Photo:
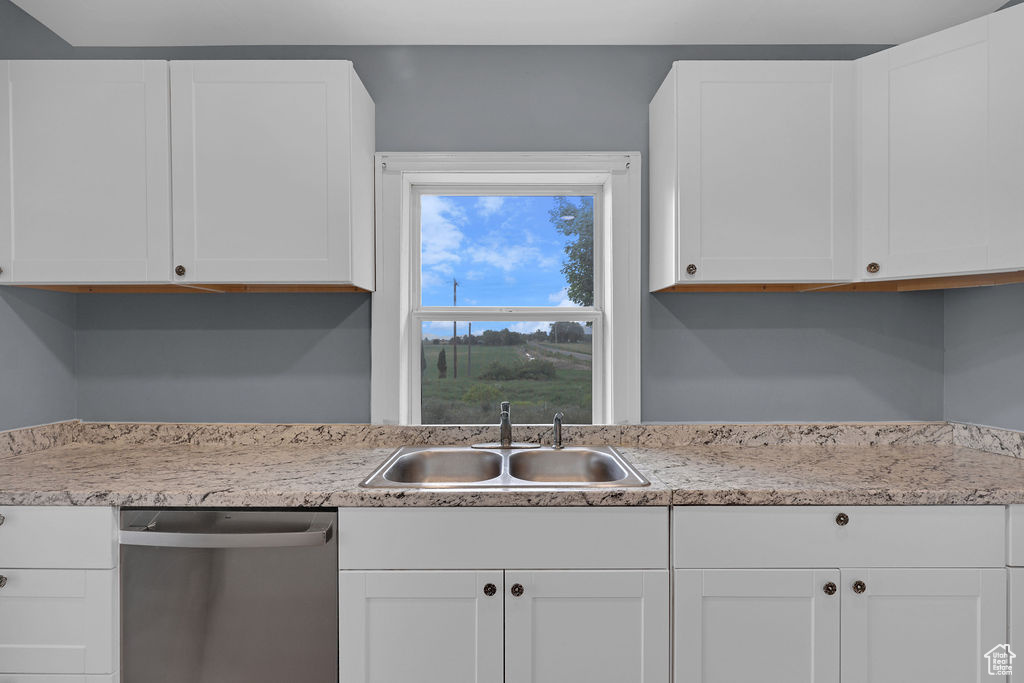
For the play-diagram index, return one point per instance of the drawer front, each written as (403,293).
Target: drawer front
(779,537)
(58,621)
(503,538)
(1015,534)
(39,537)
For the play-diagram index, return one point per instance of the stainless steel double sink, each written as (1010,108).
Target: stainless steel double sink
(447,467)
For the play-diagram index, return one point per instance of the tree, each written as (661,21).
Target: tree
(423,359)
(576,221)
(567,332)
(442,365)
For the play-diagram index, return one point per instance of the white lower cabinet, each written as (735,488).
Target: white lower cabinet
(515,626)
(429,626)
(594,626)
(757,626)
(58,621)
(1016,621)
(930,625)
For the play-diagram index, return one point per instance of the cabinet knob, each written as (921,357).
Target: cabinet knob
(829,588)
(517,589)
(179,270)
(842,519)
(490,589)
(691,269)
(859,587)
(874,267)
(3,581)
(2,520)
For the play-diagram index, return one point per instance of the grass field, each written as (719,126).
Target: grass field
(471,400)
(580,347)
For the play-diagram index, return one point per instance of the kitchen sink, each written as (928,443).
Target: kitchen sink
(577,465)
(445,467)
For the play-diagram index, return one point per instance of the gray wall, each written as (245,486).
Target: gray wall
(37,357)
(985,356)
(779,357)
(744,357)
(224,357)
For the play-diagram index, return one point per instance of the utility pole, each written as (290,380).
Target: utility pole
(455,335)
(469,353)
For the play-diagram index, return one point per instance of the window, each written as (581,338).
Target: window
(495,282)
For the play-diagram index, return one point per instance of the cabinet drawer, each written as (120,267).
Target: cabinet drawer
(769,537)
(58,537)
(503,538)
(58,621)
(1015,551)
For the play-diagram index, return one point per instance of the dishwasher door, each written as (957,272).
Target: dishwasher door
(228,596)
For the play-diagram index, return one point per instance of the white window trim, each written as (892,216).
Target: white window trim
(395,318)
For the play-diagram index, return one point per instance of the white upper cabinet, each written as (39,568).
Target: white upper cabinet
(752,173)
(273,172)
(924,156)
(84,176)
(942,152)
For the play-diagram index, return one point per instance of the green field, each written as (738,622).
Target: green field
(471,400)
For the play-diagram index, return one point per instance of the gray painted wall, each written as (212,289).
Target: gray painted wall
(37,357)
(745,357)
(778,357)
(224,357)
(984,379)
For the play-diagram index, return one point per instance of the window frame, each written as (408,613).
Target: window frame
(613,179)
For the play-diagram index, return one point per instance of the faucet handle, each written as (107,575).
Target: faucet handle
(505,407)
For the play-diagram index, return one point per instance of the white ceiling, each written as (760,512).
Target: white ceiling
(498,22)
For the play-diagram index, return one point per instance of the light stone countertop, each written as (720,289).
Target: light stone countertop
(141,465)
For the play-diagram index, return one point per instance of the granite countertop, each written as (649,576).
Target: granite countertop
(289,466)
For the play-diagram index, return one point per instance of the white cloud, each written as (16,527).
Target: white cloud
(561,298)
(509,257)
(441,239)
(529,326)
(488,206)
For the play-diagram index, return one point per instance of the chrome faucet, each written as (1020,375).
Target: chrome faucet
(505,425)
(557,427)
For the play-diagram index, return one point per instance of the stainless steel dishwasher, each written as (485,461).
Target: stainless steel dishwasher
(228,596)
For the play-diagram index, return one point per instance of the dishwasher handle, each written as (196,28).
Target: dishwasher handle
(319,532)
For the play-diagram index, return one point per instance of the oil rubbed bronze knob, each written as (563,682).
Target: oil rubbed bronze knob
(874,267)
(691,269)
(859,587)
(517,589)
(829,588)
(179,271)
(2,520)
(842,519)
(490,589)
(3,581)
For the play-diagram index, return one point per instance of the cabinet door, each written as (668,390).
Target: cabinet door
(594,626)
(924,173)
(84,181)
(752,171)
(756,626)
(1006,143)
(273,165)
(930,625)
(428,627)
(58,621)
(1016,622)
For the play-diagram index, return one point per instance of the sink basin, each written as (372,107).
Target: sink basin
(577,465)
(446,467)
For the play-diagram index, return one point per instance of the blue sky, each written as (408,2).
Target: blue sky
(502,250)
